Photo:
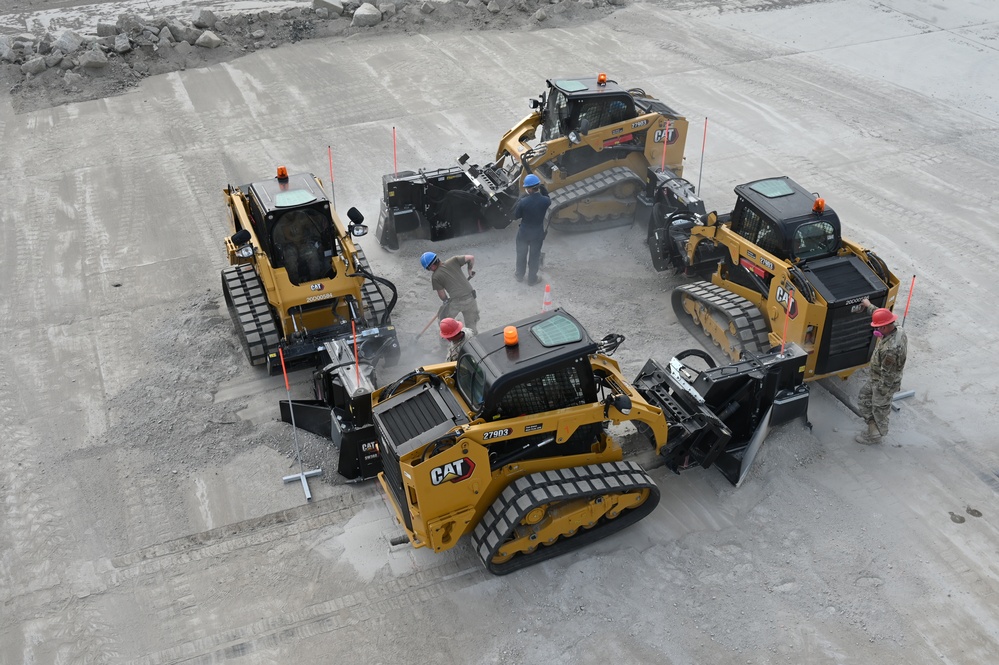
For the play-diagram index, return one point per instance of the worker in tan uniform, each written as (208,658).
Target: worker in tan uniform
(887,363)
(452,286)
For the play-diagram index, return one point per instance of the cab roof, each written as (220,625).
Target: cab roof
(298,190)
(550,339)
(586,86)
(781,199)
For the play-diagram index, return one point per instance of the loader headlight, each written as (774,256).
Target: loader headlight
(245,252)
(620,402)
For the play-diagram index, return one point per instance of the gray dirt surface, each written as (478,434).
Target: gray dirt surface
(143,516)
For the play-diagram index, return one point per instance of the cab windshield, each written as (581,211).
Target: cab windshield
(814,240)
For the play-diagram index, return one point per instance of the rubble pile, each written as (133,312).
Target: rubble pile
(50,69)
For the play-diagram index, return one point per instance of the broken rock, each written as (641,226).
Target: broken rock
(203,18)
(93,59)
(208,39)
(366,16)
(68,42)
(334,7)
(122,44)
(106,30)
(34,66)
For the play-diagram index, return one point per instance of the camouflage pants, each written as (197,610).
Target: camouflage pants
(875,403)
(468,309)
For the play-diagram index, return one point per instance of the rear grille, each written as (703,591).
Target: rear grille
(843,280)
(411,418)
(393,476)
(846,340)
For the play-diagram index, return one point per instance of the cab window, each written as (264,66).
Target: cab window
(760,231)
(813,240)
(471,382)
(556,113)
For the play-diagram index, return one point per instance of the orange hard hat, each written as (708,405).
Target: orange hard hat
(882,317)
(451,328)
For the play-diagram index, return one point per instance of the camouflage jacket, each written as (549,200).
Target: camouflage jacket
(454,347)
(888,360)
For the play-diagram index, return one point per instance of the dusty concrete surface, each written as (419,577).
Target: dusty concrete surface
(119,366)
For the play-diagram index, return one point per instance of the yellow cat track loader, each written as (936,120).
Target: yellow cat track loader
(510,445)
(296,280)
(588,139)
(776,269)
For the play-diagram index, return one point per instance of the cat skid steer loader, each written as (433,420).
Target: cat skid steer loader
(296,280)
(589,140)
(510,445)
(776,269)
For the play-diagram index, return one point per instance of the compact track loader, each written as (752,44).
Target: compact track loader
(775,269)
(589,140)
(296,280)
(510,444)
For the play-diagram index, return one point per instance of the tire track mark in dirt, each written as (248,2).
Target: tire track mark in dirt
(44,580)
(400,594)
(907,510)
(248,533)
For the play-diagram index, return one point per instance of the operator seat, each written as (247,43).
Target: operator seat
(299,245)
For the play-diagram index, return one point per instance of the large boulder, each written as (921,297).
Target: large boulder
(129,23)
(208,39)
(34,66)
(93,59)
(122,44)
(203,18)
(107,30)
(334,7)
(68,42)
(366,16)
(183,48)
(166,36)
(7,54)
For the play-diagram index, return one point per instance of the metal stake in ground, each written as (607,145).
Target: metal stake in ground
(302,474)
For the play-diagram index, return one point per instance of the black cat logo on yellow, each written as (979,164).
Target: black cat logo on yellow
(454,472)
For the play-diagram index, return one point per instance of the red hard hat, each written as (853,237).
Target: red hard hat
(451,328)
(882,317)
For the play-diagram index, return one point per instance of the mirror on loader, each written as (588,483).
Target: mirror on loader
(576,137)
(241,240)
(357,229)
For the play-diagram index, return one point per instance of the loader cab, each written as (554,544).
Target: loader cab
(782,218)
(292,219)
(570,101)
(547,369)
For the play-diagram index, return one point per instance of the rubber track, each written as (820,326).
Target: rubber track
(751,328)
(559,485)
(585,188)
(374,301)
(251,314)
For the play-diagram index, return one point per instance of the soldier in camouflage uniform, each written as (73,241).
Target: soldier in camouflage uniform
(886,367)
(455,334)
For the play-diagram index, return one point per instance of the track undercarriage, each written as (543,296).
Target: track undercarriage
(547,514)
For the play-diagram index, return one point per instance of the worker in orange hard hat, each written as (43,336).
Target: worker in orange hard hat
(455,333)
(885,378)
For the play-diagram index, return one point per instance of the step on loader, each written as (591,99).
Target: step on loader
(296,280)
(510,445)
